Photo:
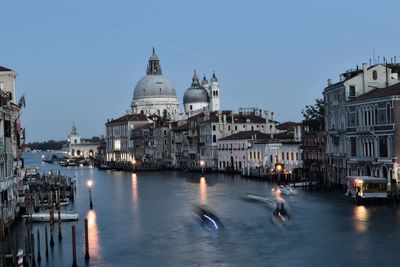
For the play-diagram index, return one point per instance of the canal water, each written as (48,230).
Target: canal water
(145,219)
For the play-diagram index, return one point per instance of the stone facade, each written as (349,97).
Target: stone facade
(352,84)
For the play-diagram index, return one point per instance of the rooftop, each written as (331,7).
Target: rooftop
(379,93)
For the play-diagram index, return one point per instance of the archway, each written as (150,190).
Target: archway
(384,172)
(367,171)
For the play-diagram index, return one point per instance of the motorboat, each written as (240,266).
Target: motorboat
(284,189)
(280,216)
(269,202)
(45,216)
(207,219)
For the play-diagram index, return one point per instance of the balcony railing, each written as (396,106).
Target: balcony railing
(6,166)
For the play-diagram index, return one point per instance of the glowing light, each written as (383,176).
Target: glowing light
(216,226)
(202,163)
(89,183)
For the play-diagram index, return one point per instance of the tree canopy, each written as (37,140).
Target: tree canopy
(314,115)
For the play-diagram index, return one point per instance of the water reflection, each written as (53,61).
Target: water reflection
(134,193)
(93,233)
(203,191)
(361,216)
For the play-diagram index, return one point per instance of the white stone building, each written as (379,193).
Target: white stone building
(77,148)
(253,151)
(201,97)
(154,93)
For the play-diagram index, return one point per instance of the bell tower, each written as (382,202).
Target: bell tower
(214,93)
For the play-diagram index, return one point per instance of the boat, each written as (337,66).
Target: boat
(270,203)
(280,216)
(45,216)
(207,218)
(284,189)
(364,188)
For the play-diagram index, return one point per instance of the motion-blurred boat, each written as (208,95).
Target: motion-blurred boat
(207,219)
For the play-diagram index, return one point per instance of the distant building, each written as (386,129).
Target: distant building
(257,153)
(314,155)
(77,148)
(200,97)
(119,145)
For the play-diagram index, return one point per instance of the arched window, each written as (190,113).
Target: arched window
(375,75)
(214,138)
(214,127)
(191,107)
(142,112)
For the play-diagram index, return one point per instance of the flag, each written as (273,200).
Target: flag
(21,102)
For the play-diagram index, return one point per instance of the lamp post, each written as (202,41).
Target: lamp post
(133,164)
(279,170)
(202,163)
(90,184)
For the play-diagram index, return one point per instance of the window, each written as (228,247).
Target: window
(352,90)
(353,142)
(383,149)
(297,156)
(291,156)
(375,75)
(191,107)
(229,127)
(214,138)
(235,128)
(214,128)
(283,155)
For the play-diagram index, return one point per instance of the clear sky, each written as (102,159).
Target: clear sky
(79,61)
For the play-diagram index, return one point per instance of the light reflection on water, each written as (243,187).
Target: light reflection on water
(93,233)
(361,216)
(203,191)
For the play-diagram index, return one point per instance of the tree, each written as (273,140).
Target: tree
(314,115)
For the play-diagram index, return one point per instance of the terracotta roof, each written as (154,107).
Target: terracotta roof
(288,125)
(379,93)
(129,117)
(5,69)
(256,135)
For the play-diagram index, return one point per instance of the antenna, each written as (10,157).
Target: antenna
(373,56)
(378,59)
(370,62)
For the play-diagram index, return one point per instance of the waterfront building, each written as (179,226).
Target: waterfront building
(206,128)
(10,148)
(372,134)
(119,145)
(352,84)
(77,148)
(154,93)
(257,153)
(314,160)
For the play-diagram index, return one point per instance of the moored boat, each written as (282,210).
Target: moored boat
(45,216)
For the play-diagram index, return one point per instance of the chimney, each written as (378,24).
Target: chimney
(224,118)
(329,82)
(272,116)
(364,76)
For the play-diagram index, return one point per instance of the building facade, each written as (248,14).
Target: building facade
(372,134)
(352,84)
(10,148)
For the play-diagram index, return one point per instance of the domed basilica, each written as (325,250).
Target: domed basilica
(155,94)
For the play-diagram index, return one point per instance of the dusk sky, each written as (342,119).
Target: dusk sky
(79,61)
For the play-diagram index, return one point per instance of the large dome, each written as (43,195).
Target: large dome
(154,86)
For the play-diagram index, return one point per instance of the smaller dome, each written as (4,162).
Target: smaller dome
(195,93)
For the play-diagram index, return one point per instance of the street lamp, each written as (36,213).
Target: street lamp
(90,184)
(133,163)
(202,163)
(279,168)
